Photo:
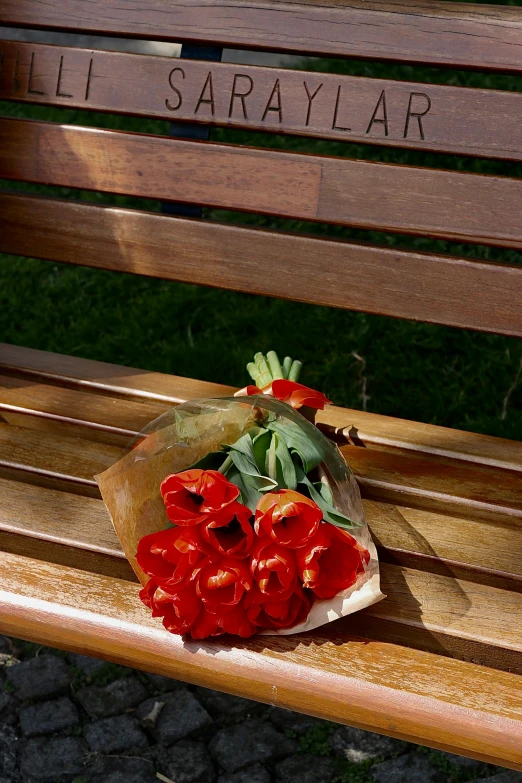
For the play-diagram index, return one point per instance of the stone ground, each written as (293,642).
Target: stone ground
(70,719)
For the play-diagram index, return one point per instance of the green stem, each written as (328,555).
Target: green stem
(295,370)
(253,371)
(226,465)
(287,363)
(265,376)
(272,460)
(275,365)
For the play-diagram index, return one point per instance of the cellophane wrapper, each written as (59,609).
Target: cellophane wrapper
(185,434)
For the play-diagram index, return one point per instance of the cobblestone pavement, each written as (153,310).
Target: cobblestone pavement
(70,719)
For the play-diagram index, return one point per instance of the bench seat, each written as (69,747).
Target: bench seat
(437,663)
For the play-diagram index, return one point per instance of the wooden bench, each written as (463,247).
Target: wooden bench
(439,661)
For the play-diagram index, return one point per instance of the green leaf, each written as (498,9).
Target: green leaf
(299,442)
(260,445)
(325,491)
(271,458)
(330,513)
(249,495)
(243,457)
(285,468)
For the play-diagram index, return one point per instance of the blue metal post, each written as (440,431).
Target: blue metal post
(188,130)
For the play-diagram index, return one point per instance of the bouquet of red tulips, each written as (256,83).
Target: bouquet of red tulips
(239,516)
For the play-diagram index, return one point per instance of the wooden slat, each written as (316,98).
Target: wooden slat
(447,204)
(410,200)
(60,527)
(440,289)
(420,116)
(426,698)
(412,537)
(448,616)
(448,546)
(359,426)
(482,551)
(438,33)
(436,483)
(105,377)
(364,428)
(460,618)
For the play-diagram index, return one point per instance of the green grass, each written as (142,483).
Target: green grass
(418,371)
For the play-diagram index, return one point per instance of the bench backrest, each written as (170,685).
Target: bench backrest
(451,205)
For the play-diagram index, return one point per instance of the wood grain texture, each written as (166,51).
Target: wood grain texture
(446,204)
(448,546)
(420,116)
(92,416)
(411,535)
(105,377)
(440,33)
(123,162)
(66,459)
(448,616)
(363,428)
(426,698)
(482,551)
(437,483)
(462,618)
(422,484)
(440,289)
(60,527)
(351,425)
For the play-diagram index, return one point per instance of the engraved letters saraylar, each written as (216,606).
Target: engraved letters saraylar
(323,103)
(271,108)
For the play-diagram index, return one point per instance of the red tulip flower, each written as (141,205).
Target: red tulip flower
(230,533)
(179,608)
(274,614)
(192,496)
(223,584)
(297,395)
(169,555)
(291,392)
(331,561)
(288,517)
(274,569)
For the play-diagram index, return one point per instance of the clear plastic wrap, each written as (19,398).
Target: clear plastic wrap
(187,433)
